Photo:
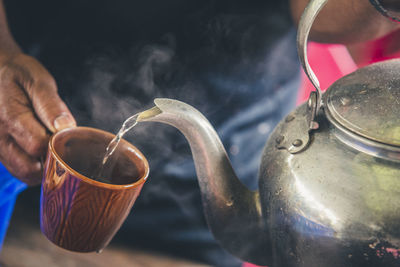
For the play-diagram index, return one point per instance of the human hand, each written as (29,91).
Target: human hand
(30,109)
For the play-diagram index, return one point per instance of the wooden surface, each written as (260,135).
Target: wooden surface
(26,246)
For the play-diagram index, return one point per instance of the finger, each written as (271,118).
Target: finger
(22,124)
(41,88)
(18,163)
(49,107)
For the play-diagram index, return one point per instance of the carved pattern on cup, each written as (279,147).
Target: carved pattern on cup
(80,214)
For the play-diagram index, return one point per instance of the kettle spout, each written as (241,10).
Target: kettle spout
(232,211)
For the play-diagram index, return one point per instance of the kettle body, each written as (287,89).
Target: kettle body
(329,184)
(331,204)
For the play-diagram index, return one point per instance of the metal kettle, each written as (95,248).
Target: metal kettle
(329,185)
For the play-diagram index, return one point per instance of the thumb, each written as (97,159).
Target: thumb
(49,107)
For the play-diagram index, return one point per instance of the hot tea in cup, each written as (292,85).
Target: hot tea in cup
(79,210)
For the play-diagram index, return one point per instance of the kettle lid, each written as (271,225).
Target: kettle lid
(367,102)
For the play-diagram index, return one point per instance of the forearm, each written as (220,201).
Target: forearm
(7,42)
(346,21)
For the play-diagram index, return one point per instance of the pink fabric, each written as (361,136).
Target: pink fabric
(249,265)
(329,63)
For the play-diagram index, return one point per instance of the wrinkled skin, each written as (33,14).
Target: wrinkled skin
(30,111)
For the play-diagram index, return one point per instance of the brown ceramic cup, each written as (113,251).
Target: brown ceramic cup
(80,213)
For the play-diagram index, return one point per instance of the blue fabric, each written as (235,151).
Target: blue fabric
(234,60)
(10,187)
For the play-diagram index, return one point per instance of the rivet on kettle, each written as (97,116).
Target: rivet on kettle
(279,139)
(297,142)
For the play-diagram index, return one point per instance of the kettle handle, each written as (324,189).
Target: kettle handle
(309,122)
(306,21)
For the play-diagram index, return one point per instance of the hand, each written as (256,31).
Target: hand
(30,108)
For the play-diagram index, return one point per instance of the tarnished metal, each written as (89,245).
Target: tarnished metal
(336,203)
(306,21)
(228,204)
(296,134)
(330,205)
(315,100)
(367,102)
(313,112)
(298,129)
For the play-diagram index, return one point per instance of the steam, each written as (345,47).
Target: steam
(215,55)
(118,89)
(223,70)
(153,58)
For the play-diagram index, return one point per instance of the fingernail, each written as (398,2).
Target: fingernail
(63,121)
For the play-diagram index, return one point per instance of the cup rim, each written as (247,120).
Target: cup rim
(86,179)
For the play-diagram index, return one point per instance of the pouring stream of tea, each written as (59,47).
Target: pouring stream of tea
(126,126)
